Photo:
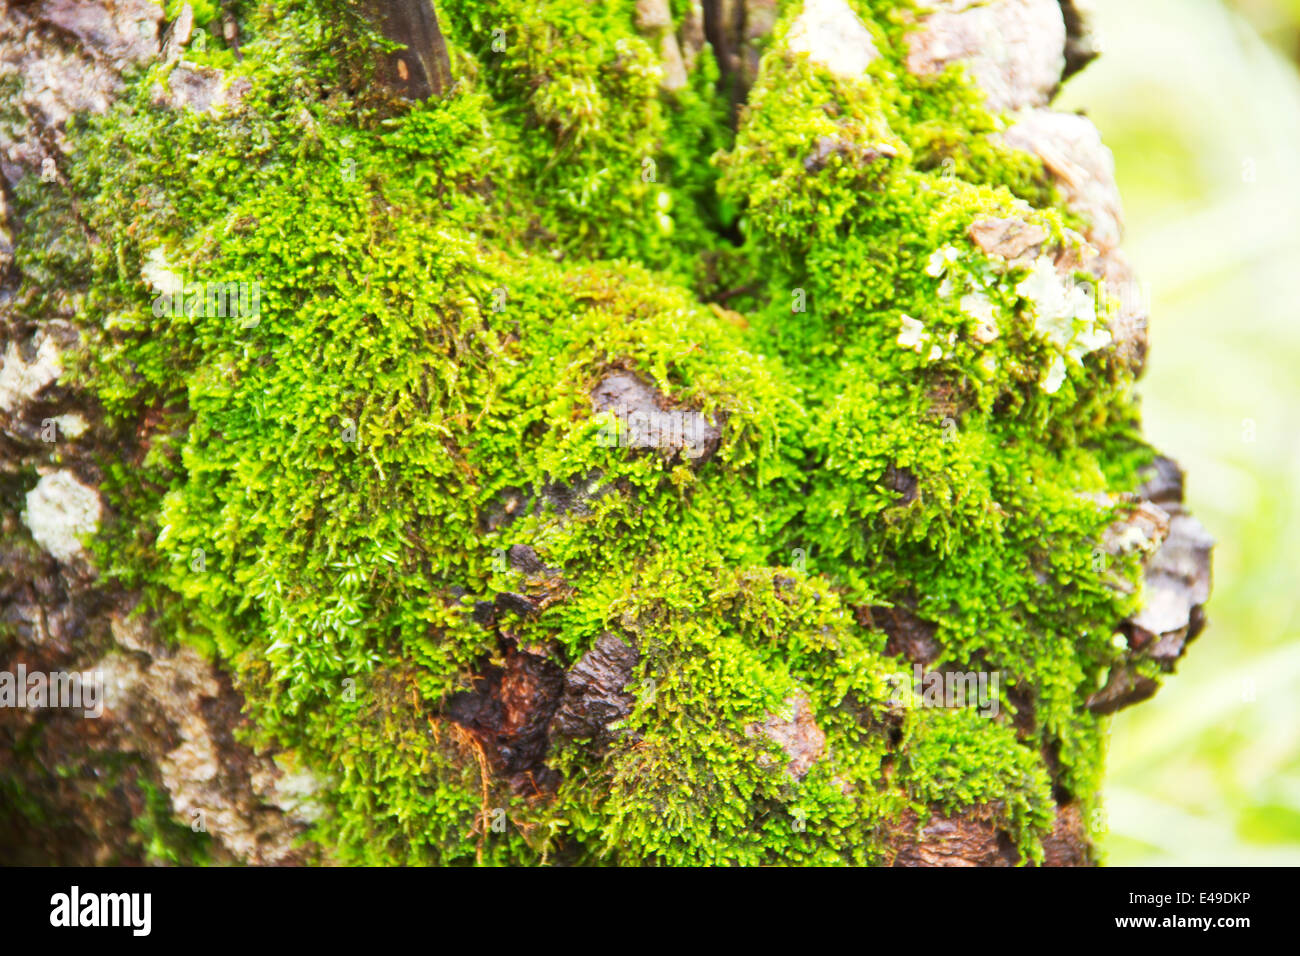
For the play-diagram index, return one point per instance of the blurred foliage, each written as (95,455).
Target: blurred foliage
(1203,115)
(1277,21)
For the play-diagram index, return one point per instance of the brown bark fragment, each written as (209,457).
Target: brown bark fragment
(420,68)
(1162,482)
(1067,844)
(1123,689)
(907,635)
(1071,148)
(1177,585)
(594,691)
(1081,43)
(1017,241)
(649,421)
(734,30)
(797,734)
(970,838)
(967,839)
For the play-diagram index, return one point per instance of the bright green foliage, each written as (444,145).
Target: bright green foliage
(441,286)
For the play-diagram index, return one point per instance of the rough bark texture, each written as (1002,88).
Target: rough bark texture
(169,759)
(162,764)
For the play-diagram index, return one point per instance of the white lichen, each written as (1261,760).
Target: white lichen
(981,308)
(1065,315)
(60,509)
(941,259)
(20,381)
(1055,376)
(71,425)
(157,272)
(913,334)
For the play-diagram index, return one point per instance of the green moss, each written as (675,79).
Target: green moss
(164,839)
(957,758)
(441,285)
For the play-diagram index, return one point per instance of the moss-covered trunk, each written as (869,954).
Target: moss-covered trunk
(669,432)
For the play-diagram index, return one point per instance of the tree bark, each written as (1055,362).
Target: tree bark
(171,741)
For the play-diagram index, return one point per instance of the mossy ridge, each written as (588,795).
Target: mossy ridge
(380,243)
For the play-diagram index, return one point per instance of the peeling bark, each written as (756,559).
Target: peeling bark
(650,422)
(969,839)
(795,732)
(595,694)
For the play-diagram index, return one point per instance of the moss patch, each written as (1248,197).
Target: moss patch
(318,500)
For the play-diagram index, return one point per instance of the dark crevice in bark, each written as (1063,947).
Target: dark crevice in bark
(509,710)
(724,28)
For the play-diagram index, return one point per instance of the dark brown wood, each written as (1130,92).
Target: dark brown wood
(421,68)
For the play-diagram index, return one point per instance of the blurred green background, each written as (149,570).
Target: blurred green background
(1200,102)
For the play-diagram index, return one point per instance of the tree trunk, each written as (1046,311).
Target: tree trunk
(594,544)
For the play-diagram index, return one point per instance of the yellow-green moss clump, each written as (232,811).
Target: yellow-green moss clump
(330,490)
